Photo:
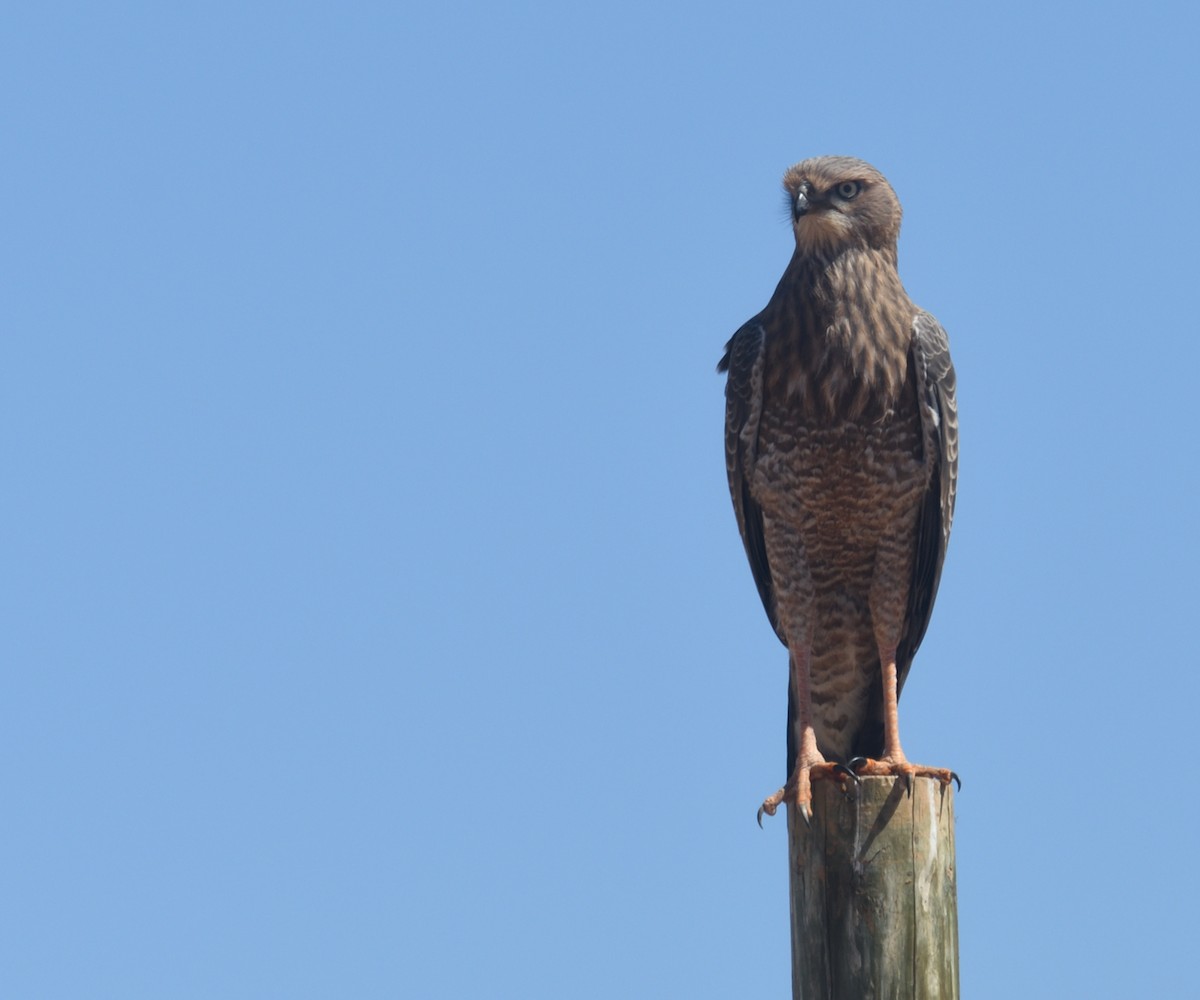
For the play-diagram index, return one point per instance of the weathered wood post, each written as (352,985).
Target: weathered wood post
(873,894)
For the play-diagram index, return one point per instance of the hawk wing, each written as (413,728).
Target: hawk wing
(930,354)
(929,358)
(743,361)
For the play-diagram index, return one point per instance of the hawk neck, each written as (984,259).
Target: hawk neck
(839,331)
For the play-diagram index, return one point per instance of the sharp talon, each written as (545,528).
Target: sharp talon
(854,762)
(843,769)
(957,780)
(806,815)
(769,806)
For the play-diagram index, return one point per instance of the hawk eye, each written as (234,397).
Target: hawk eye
(848,189)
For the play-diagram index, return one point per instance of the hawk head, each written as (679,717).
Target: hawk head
(838,203)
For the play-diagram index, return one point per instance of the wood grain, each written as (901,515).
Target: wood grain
(873,892)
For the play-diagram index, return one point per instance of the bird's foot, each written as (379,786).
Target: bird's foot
(897,765)
(798,790)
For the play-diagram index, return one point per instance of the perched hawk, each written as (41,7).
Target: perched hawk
(841,441)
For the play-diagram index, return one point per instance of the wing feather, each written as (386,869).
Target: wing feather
(929,356)
(939,420)
(743,361)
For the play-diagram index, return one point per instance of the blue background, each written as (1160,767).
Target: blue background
(374,621)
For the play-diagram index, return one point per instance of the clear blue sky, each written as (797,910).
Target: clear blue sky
(374,620)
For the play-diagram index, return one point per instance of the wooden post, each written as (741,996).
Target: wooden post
(874,904)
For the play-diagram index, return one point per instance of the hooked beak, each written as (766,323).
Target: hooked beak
(801,206)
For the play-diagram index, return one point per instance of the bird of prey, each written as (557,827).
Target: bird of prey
(841,444)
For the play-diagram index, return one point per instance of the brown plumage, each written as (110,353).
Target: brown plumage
(841,442)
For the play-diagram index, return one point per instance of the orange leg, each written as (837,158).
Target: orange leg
(893,761)
(810,765)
